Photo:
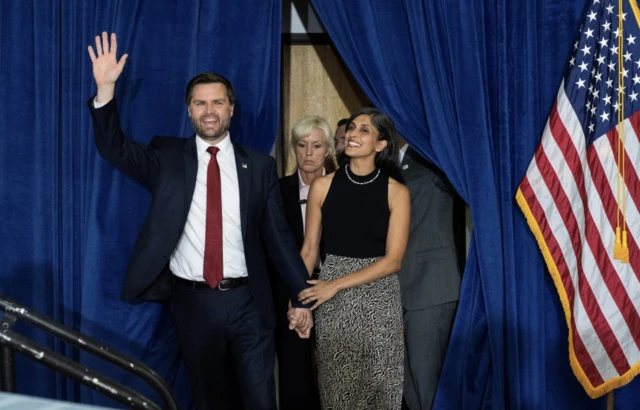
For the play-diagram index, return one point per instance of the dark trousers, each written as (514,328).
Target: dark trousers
(426,333)
(227,348)
(296,373)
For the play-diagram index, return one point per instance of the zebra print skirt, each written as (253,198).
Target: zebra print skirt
(360,346)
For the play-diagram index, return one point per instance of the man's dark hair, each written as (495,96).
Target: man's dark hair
(343,121)
(210,78)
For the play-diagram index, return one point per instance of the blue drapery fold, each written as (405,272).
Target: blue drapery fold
(70,220)
(470,86)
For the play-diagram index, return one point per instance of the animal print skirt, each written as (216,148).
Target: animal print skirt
(360,346)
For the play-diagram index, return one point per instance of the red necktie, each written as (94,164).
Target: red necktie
(213,270)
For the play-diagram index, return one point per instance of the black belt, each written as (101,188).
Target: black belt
(225,284)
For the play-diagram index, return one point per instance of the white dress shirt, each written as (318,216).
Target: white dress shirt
(187,260)
(401,153)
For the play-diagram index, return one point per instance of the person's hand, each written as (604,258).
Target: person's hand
(300,320)
(320,293)
(106,67)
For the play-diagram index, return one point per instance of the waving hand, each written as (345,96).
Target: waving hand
(106,67)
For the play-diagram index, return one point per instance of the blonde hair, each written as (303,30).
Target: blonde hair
(305,126)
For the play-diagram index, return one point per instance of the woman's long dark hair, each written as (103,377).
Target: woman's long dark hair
(387,159)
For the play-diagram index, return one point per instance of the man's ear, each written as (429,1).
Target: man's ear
(232,107)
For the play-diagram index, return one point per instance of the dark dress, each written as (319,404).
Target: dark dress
(359,331)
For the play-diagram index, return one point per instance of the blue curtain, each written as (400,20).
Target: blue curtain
(470,86)
(68,219)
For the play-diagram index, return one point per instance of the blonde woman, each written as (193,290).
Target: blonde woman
(313,146)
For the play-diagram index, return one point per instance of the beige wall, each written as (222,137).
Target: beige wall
(315,82)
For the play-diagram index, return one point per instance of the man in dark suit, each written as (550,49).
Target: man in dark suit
(429,277)
(214,204)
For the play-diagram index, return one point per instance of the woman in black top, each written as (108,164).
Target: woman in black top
(362,213)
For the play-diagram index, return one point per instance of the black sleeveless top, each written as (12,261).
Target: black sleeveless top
(355,218)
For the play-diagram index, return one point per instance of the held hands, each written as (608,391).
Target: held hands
(301,320)
(320,292)
(106,68)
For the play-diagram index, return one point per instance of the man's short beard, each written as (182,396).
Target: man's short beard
(201,133)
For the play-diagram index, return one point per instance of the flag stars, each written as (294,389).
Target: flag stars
(617,32)
(586,50)
(612,66)
(614,50)
(575,46)
(584,66)
(596,94)
(609,9)
(607,100)
(625,72)
(592,16)
(631,39)
(609,83)
(636,79)
(589,33)
(627,56)
(580,83)
(598,77)
(633,96)
(591,127)
(616,106)
(624,16)
(604,116)
(572,62)
(593,110)
(599,59)
(606,26)
(603,43)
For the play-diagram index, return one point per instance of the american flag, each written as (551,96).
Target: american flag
(574,195)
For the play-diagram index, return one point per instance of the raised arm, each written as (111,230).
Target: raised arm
(397,236)
(137,161)
(313,221)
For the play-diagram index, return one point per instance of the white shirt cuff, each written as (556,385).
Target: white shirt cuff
(97,104)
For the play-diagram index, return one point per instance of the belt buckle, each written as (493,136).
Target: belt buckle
(225,282)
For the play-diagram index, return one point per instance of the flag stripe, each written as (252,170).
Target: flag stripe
(595,210)
(591,302)
(580,351)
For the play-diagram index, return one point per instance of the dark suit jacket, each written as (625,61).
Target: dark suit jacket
(167,168)
(429,275)
(291,197)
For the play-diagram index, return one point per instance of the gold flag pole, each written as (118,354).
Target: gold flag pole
(610,400)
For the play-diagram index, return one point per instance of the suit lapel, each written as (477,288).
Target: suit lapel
(190,155)
(244,184)
(407,163)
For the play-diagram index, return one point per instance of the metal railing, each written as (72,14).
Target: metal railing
(11,342)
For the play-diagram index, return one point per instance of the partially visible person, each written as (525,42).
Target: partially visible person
(361,212)
(215,205)
(312,144)
(338,139)
(429,277)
